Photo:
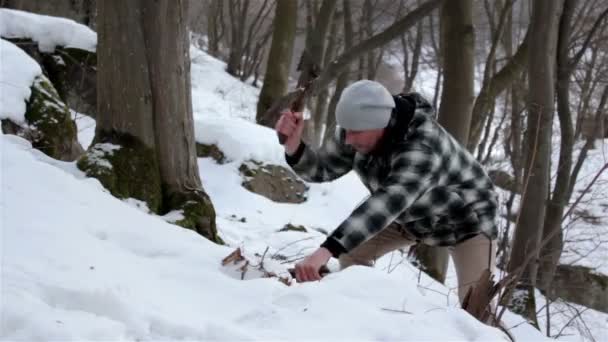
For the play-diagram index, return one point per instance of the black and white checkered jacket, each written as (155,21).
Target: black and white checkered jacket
(419,177)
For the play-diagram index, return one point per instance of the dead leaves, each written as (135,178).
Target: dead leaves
(236,258)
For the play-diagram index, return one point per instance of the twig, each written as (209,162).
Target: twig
(397,311)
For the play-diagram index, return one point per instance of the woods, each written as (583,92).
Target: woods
(521,85)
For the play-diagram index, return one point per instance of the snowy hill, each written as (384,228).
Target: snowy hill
(79,264)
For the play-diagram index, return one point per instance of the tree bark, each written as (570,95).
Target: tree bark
(145,111)
(528,231)
(344,77)
(279,60)
(550,254)
(498,83)
(312,57)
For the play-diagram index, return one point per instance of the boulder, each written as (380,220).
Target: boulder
(274,182)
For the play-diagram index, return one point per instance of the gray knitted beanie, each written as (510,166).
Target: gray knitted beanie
(364,105)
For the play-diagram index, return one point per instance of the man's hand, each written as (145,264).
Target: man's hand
(291,125)
(308,269)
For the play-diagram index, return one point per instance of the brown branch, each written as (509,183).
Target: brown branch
(577,57)
(339,64)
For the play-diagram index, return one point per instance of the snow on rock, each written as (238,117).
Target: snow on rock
(17,74)
(49,32)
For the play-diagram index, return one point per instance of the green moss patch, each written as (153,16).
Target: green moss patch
(125,166)
(55,131)
(197,211)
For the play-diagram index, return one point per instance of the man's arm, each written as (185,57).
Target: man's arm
(332,161)
(412,172)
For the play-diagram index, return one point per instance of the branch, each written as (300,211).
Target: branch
(339,64)
(577,57)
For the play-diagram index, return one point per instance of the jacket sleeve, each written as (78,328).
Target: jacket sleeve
(412,172)
(332,161)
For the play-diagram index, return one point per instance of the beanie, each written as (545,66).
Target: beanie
(364,105)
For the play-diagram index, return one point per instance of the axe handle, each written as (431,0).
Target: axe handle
(296,106)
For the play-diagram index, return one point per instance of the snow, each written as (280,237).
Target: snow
(17,74)
(99,152)
(49,32)
(79,264)
(85,265)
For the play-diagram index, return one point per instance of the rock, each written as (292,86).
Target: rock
(273,182)
(73,73)
(291,227)
(504,180)
(50,127)
(210,151)
(580,285)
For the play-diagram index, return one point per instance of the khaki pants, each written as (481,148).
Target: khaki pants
(470,257)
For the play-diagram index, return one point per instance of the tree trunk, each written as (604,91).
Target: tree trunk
(213,27)
(497,84)
(238,16)
(310,63)
(344,77)
(550,253)
(279,60)
(528,231)
(457,44)
(145,126)
(415,62)
(322,99)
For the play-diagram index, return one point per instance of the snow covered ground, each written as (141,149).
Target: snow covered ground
(79,264)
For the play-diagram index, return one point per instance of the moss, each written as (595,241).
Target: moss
(125,166)
(55,131)
(198,212)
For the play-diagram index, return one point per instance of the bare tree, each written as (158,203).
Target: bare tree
(248,35)
(339,64)
(528,231)
(344,77)
(279,59)
(216,27)
(312,57)
(145,126)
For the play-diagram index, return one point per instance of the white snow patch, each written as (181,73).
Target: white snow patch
(17,74)
(49,32)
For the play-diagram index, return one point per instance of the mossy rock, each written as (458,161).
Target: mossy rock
(580,285)
(125,166)
(51,128)
(274,182)
(74,74)
(293,228)
(72,71)
(198,212)
(210,151)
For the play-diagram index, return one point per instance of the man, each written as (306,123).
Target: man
(425,187)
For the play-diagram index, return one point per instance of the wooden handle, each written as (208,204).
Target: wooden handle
(323,271)
(282,138)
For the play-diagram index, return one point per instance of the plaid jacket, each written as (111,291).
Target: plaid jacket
(419,177)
